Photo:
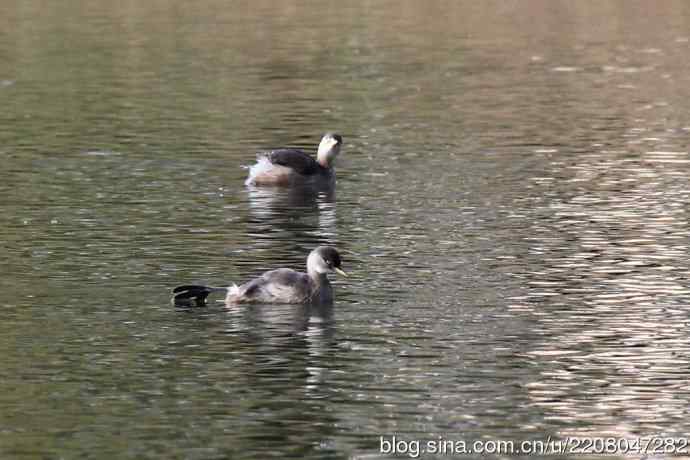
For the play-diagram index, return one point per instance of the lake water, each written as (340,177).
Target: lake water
(512,205)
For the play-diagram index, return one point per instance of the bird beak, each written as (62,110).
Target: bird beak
(340,272)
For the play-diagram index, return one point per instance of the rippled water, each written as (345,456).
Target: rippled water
(512,204)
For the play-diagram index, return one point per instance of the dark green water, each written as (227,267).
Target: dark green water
(512,205)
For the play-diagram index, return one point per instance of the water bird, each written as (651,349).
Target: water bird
(282,285)
(293,167)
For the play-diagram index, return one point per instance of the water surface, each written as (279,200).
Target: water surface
(512,204)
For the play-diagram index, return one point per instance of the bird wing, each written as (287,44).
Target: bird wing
(283,285)
(294,159)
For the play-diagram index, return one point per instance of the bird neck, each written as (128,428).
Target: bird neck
(322,292)
(319,279)
(325,156)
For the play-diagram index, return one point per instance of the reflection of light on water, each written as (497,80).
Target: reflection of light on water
(318,337)
(327,216)
(609,296)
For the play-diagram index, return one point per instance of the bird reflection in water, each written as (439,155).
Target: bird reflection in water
(295,203)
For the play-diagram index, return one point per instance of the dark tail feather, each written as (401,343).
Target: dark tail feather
(191,293)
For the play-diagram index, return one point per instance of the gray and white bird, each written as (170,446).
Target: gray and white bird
(282,285)
(293,167)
